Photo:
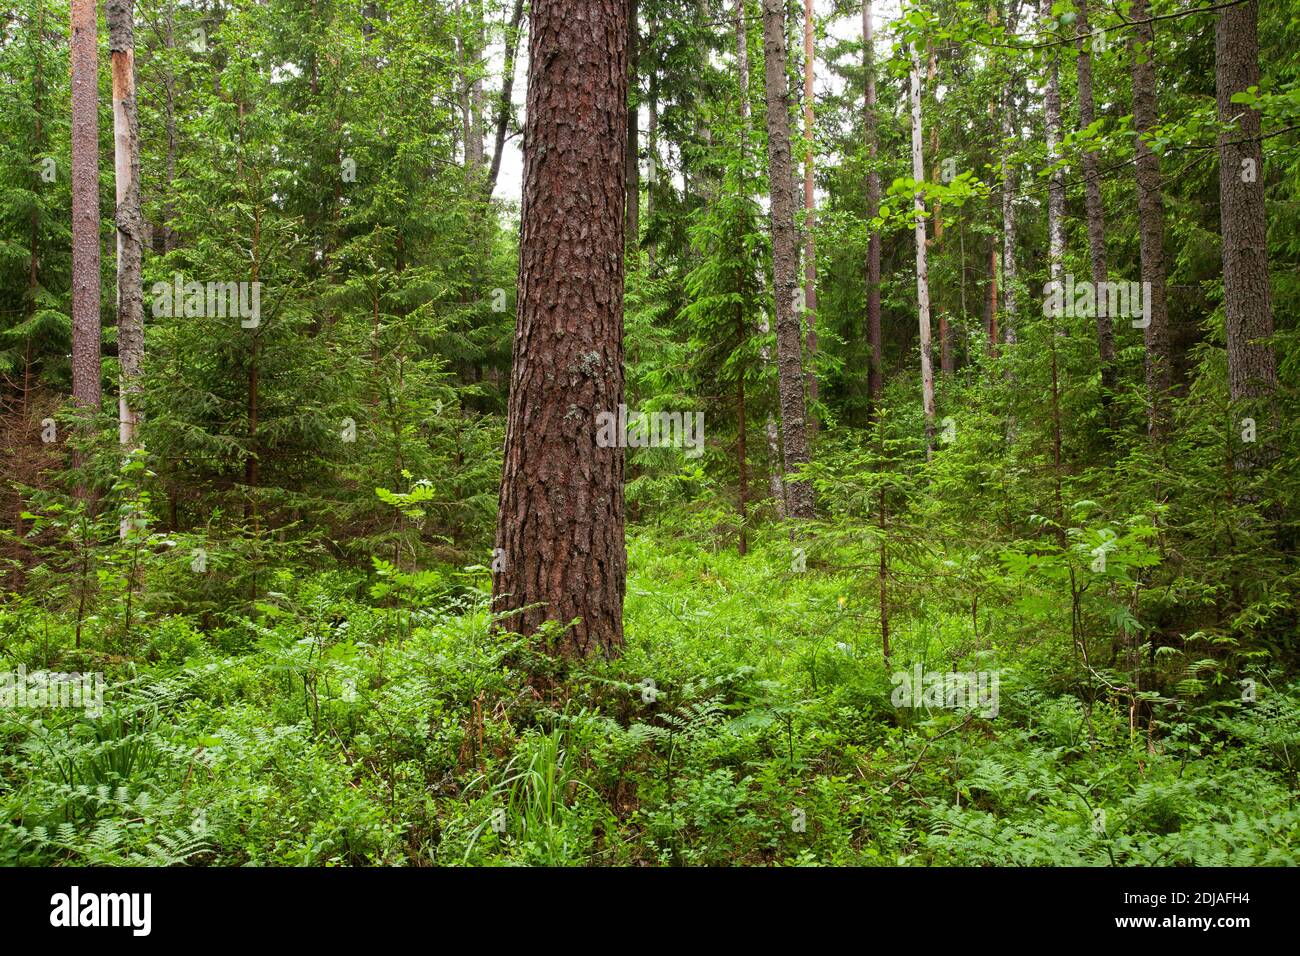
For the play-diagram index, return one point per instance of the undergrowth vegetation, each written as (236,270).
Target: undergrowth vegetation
(749,721)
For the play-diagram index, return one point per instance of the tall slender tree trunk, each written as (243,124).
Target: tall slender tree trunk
(1252,366)
(85,206)
(875,373)
(946,366)
(560,523)
(1009,290)
(467,68)
(776,487)
(799,496)
(1008,228)
(991,301)
(633,226)
(1056,180)
(478,94)
(130,221)
(1093,209)
(504,97)
(1151,219)
(742,472)
(652,132)
(810,201)
(922,271)
(170,237)
(34,221)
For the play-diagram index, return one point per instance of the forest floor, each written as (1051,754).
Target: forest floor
(751,719)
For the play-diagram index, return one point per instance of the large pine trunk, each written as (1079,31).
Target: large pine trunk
(560,548)
(85,206)
(1252,366)
(130,221)
(1151,219)
(794,434)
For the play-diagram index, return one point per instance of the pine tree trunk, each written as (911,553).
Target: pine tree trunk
(1093,209)
(1151,219)
(809,203)
(560,524)
(799,497)
(85,206)
(922,272)
(1252,366)
(875,374)
(130,221)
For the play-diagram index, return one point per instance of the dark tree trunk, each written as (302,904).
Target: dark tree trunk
(1252,366)
(1093,208)
(560,523)
(875,374)
(799,497)
(1151,218)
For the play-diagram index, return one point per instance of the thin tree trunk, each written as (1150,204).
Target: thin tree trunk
(468,71)
(809,204)
(130,222)
(34,221)
(1151,219)
(1094,211)
(1056,181)
(922,272)
(799,496)
(652,137)
(946,366)
(875,374)
(1009,291)
(776,487)
(560,524)
(633,226)
(991,302)
(504,97)
(477,96)
(85,206)
(1252,366)
(742,334)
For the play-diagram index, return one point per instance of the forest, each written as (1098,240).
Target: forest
(649,433)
